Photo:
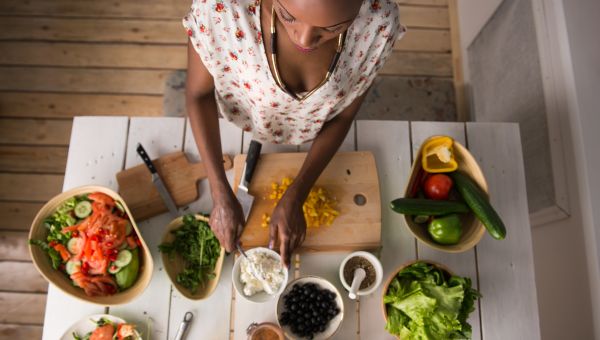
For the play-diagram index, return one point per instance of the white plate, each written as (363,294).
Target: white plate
(332,326)
(88,324)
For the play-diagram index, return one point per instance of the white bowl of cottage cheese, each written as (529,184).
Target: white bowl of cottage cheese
(267,264)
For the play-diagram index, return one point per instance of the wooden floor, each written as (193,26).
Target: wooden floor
(65,58)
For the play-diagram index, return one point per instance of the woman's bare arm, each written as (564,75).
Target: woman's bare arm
(226,218)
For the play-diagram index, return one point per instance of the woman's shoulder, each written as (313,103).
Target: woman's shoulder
(223,8)
(376,26)
(377,14)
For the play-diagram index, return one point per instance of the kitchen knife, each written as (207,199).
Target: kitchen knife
(158,183)
(242,192)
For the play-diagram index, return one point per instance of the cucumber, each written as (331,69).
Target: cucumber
(120,207)
(83,209)
(127,275)
(417,206)
(73,245)
(478,201)
(72,266)
(128,228)
(123,258)
(420,219)
(113,268)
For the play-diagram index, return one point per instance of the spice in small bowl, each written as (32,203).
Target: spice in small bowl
(355,263)
(372,269)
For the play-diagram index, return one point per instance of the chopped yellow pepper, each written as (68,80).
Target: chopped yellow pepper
(318,208)
(438,155)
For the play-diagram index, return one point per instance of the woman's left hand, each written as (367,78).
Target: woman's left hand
(287,224)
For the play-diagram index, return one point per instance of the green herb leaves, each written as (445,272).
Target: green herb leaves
(196,244)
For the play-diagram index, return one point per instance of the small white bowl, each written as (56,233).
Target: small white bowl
(378,272)
(334,324)
(239,285)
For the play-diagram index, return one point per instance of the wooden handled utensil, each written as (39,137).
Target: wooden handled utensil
(180,178)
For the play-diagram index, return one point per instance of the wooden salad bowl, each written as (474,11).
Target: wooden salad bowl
(473,229)
(386,286)
(43,263)
(175,265)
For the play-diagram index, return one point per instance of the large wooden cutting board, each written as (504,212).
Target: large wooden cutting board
(179,175)
(348,174)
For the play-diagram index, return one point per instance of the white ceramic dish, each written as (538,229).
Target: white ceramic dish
(378,272)
(239,285)
(88,324)
(332,326)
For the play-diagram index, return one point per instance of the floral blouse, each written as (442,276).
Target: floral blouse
(227,36)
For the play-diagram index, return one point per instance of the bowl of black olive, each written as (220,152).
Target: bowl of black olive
(310,308)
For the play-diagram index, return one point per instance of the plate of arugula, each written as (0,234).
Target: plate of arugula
(192,256)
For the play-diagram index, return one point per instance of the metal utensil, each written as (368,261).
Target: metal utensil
(242,193)
(158,183)
(255,273)
(183,327)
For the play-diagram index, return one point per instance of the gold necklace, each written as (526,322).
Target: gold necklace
(276,75)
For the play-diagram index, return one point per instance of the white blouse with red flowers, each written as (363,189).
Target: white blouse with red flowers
(227,36)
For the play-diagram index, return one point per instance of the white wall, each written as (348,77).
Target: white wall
(472,16)
(562,280)
(567,252)
(582,28)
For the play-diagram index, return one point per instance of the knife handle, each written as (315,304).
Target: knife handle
(145,158)
(251,160)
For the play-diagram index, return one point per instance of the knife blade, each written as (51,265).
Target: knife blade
(242,193)
(158,183)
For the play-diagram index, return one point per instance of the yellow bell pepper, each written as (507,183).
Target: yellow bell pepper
(438,155)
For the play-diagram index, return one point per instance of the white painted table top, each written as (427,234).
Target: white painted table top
(502,270)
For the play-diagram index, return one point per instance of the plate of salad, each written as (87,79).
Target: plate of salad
(102,327)
(423,300)
(84,242)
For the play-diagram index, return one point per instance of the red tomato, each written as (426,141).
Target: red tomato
(437,187)
(105,332)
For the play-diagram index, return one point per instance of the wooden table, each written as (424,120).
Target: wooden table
(502,270)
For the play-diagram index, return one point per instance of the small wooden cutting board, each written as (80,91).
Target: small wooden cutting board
(179,175)
(348,177)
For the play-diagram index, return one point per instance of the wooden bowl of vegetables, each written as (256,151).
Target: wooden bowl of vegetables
(85,242)
(192,256)
(446,203)
(424,290)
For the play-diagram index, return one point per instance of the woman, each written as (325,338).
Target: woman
(289,71)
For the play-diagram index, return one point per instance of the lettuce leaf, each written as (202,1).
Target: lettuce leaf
(423,302)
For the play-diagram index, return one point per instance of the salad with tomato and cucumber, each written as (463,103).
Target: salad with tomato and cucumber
(92,241)
(106,329)
(441,192)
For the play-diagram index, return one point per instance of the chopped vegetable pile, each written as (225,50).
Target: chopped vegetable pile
(91,240)
(199,249)
(319,209)
(424,302)
(106,329)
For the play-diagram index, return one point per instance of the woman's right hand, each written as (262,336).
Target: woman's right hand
(227,219)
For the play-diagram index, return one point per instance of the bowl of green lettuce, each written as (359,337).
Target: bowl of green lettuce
(423,300)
